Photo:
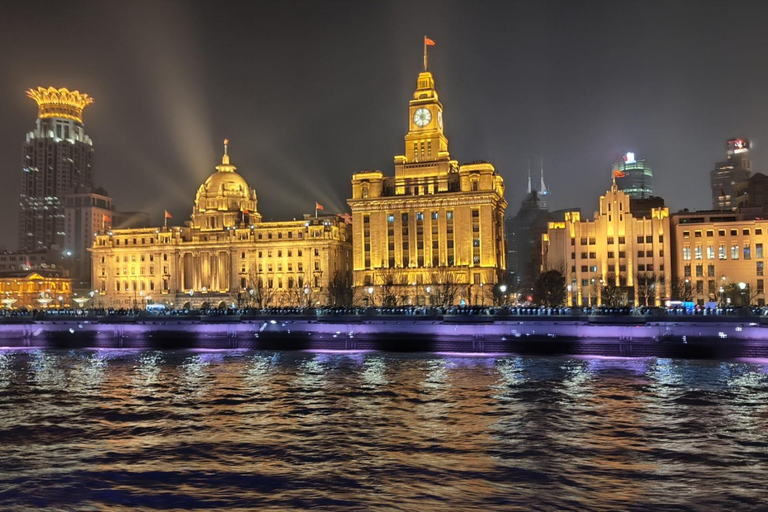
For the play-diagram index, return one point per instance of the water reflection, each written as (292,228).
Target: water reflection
(274,430)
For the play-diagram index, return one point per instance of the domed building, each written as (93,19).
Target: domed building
(225,199)
(225,256)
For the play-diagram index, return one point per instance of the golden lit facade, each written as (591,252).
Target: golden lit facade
(60,103)
(616,253)
(225,255)
(433,233)
(715,251)
(35,289)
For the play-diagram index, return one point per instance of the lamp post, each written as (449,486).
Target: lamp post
(429,295)
(370,295)
(503,290)
(482,293)
(306,296)
(742,288)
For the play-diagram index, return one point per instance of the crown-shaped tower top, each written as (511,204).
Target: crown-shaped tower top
(63,103)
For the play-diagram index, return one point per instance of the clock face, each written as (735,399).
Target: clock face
(422,117)
(440,119)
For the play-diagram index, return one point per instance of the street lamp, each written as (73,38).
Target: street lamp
(482,293)
(370,295)
(429,295)
(742,287)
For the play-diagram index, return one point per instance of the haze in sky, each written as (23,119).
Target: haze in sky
(310,92)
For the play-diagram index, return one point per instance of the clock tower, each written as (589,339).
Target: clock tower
(426,147)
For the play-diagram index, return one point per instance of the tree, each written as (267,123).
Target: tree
(445,288)
(257,293)
(740,297)
(339,290)
(612,295)
(549,289)
(646,284)
(681,290)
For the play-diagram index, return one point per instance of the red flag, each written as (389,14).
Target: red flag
(428,41)
(618,174)
(168,215)
(318,206)
(246,212)
(105,218)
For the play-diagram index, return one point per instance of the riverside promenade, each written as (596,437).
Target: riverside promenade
(740,335)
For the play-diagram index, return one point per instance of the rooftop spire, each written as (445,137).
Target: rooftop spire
(225,158)
(530,188)
(543,189)
(225,165)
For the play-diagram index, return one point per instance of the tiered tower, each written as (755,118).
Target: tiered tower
(57,159)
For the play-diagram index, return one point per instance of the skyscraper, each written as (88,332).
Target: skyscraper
(633,177)
(57,160)
(729,174)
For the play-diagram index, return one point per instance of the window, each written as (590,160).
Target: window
(622,254)
(592,241)
(759,251)
(583,240)
(584,268)
(640,254)
(759,268)
(661,239)
(640,239)
(592,255)
(699,270)
(760,286)
(699,287)
(610,254)
(721,252)
(711,269)
(734,252)
(621,240)
(710,232)
(390,218)
(649,239)
(747,251)
(686,253)
(584,282)
(584,255)
(734,232)
(758,231)
(745,232)
(697,233)
(686,234)
(710,252)
(720,232)
(593,268)
(610,240)
(697,252)
(687,270)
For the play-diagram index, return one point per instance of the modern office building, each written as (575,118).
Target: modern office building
(57,159)
(726,178)
(434,232)
(633,177)
(715,252)
(226,255)
(615,259)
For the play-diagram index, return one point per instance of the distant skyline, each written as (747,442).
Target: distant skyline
(310,92)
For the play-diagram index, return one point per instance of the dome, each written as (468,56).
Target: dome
(225,199)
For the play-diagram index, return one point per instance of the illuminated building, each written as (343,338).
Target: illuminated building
(634,176)
(728,175)
(225,255)
(617,253)
(57,160)
(34,289)
(433,233)
(714,251)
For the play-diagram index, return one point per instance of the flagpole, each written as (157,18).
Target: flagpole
(425,53)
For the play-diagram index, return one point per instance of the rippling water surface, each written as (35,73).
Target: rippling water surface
(279,431)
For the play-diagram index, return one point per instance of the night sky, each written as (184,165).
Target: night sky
(310,92)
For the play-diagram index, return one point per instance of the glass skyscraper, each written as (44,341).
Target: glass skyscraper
(633,177)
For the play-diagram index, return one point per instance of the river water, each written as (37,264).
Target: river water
(127,430)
